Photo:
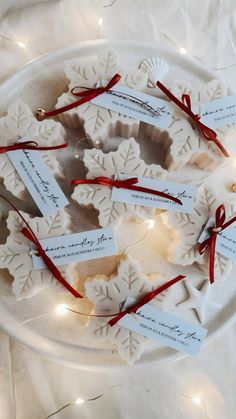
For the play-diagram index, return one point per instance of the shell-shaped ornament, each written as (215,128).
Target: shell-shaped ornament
(156,69)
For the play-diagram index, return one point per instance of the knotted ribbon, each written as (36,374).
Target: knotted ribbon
(125,184)
(29,145)
(185,105)
(144,300)
(210,242)
(85,95)
(30,235)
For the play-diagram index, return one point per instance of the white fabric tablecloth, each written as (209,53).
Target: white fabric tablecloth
(31,387)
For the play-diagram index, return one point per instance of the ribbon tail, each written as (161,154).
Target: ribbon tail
(70,106)
(55,147)
(49,263)
(57,274)
(148,297)
(212,259)
(221,147)
(86,96)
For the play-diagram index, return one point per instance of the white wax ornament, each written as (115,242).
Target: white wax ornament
(184,248)
(183,142)
(195,148)
(199,299)
(109,296)
(18,123)
(156,68)
(15,254)
(99,124)
(125,160)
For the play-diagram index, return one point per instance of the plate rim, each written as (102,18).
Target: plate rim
(45,349)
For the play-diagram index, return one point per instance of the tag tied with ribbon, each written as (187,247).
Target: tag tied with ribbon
(208,133)
(125,184)
(209,244)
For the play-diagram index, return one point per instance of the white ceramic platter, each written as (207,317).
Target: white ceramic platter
(39,84)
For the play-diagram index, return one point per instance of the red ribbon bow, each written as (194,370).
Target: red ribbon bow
(29,145)
(29,234)
(210,242)
(125,184)
(144,300)
(86,96)
(185,105)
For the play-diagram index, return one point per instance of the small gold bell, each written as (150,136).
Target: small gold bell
(40,114)
(233,187)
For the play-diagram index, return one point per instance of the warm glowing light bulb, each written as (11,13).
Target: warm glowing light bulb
(79,401)
(182,50)
(197,400)
(21,44)
(100,21)
(150,224)
(61,309)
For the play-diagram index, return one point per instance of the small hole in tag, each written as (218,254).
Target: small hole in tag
(34,252)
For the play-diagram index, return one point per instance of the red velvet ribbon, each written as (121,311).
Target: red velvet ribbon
(210,242)
(144,300)
(86,96)
(185,105)
(30,235)
(29,145)
(125,184)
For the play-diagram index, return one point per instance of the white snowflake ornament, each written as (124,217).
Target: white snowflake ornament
(99,123)
(109,296)
(215,89)
(187,228)
(125,160)
(183,141)
(19,123)
(15,254)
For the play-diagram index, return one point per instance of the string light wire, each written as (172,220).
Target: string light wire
(195,399)
(81,401)
(61,309)
(20,44)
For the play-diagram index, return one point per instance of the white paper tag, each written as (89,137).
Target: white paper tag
(164,327)
(184,192)
(71,248)
(39,181)
(217,113)
(126,106)
(225,242)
